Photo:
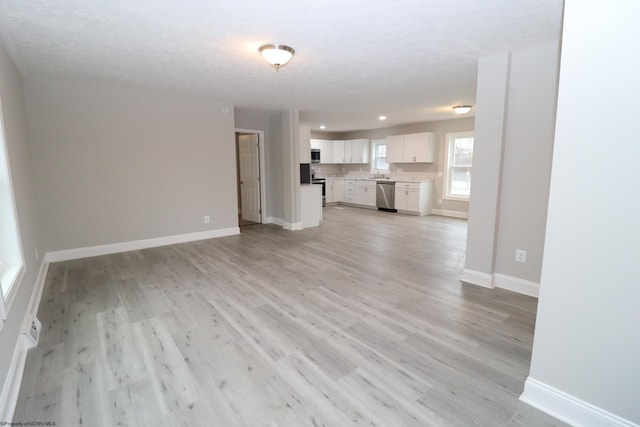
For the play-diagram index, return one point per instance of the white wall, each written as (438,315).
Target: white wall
(115,165)
(515,122)
(273,154)
(491,99)
(587,342)
(17,140)
(527,155)
(276,167)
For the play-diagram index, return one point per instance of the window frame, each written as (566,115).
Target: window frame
(13,268)
(374,157)
(450,140)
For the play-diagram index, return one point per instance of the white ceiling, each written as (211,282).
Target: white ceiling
(410,60)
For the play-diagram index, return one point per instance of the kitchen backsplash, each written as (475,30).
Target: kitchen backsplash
(401,171)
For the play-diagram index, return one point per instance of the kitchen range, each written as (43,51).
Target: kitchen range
(323,182)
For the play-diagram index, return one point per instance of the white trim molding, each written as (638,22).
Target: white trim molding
(497,280)
(477,278)
(133,245)
(11,386)
(568,408)
(293,226)
(449,213)
(516,284)
(274,220)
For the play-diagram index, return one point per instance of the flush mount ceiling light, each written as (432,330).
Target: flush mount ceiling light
(276,54)
(323,127)
(462,109)
(382,117)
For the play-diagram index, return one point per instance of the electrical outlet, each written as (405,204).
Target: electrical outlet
(207,219)
(521,255)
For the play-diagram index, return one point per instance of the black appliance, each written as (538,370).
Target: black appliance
(315,155)
(305,173)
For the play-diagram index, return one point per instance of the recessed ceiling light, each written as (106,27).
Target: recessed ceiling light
(382,118)
(323,127)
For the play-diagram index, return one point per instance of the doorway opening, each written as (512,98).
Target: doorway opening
(249,170)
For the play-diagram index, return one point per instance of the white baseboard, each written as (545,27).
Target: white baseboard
(453,214)
(274,220)
(568,408)
(11,386)
(11,389)
(515,284)
(292,226)
(477,278)
(282,223)
(113,248)
(497,280)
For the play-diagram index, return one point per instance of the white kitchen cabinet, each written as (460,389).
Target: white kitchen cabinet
(328,190)
(338,151)
(305,144)
(359,151)
(395,148)
(352,151)
(414,197)
(338,190)
(350,186)
(326,152)
(411,148)
(366,193)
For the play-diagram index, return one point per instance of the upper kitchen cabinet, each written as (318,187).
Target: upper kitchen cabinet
(342,152)
(411,148)
(326,150)
(359,151)
(356,151)
(338,152)
(305,144)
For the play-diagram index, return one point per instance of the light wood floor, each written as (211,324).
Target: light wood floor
(361,321)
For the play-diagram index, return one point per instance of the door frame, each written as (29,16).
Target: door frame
(263,172)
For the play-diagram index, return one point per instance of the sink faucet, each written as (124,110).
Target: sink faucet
(377,172)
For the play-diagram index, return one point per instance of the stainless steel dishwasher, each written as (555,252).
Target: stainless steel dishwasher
(386,196)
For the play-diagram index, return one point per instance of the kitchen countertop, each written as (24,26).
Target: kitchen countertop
(380,179)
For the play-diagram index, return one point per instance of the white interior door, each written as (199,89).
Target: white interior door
(249,177)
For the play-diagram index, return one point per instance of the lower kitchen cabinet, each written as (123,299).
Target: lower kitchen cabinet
(350,186)
(414,197)
(366,193)
(328,190)
(338,190)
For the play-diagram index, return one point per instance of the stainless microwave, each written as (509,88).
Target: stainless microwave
(315,155)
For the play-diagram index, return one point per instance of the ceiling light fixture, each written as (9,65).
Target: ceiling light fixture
(276,54)
(462,109)
(323,127)
(382,118)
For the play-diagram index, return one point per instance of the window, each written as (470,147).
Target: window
(11,260)
(459,157)
(379,157)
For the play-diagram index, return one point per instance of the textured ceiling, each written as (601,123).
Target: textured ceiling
(409,59)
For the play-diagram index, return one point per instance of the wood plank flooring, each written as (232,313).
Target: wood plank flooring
(359,322)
